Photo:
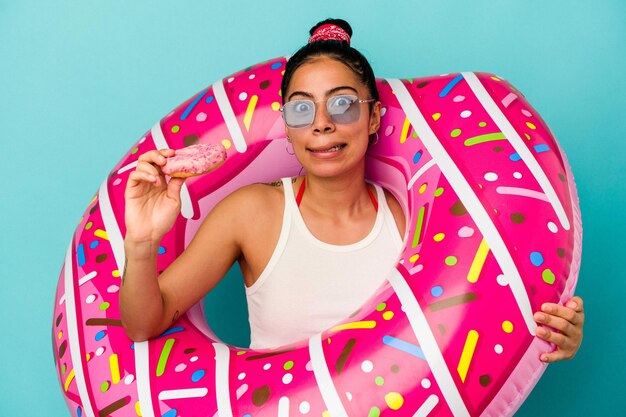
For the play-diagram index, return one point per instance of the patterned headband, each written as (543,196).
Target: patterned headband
(330,32)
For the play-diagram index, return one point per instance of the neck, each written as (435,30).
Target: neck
(336,195)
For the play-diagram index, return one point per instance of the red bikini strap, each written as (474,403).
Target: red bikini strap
(373,199)
(303,186)
(301,192)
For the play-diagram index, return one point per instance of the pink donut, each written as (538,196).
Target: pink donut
(195,160)
(493,231)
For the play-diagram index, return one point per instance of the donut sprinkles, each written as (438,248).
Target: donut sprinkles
(493,231)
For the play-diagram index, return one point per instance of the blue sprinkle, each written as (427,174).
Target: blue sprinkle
(192,105)
(436,291)
(536,258)
(451,85)
(515,157)
(404,346)
(209,99)
(80,253)
(417,157)
(172,330)
(94,244)
(161,250)
(198,375)
(79,412)
(541,148)
(247,415)
(171,413)
(100,335)
(276,65)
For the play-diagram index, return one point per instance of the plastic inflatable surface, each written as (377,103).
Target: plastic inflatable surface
(493,231)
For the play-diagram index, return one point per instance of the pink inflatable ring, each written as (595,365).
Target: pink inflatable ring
(493,231)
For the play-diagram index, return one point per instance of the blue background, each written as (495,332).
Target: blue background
(81,81)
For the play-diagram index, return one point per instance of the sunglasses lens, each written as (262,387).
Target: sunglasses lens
(299,113)
(343,109)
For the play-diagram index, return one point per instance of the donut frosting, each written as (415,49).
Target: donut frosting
(195,160)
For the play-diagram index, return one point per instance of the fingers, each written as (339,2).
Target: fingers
(149,167)
(575,303)
(174,186)
(564,312)
(562,327)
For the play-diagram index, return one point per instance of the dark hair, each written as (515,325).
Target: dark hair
(334,49)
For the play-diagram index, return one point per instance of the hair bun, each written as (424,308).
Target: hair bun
(331,29)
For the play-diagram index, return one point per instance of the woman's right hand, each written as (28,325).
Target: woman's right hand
(152,204)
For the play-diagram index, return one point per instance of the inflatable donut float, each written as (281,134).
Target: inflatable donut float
(493,231)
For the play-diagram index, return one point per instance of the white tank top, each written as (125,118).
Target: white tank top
(309,285)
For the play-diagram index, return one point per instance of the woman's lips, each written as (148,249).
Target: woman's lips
(334,148)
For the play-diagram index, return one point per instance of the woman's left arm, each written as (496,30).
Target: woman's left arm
(568,322)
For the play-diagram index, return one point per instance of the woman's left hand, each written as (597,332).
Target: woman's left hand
(562,326)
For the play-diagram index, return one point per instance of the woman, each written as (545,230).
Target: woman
(296,237)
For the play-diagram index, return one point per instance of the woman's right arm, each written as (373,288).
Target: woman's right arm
(149,301)
(152,206)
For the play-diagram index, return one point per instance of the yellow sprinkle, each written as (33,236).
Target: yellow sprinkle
(507,326)
(467,354)
(367,324)
(405,130)
(249,111)
(388,315)
(531,126)
(423,188)
(88,357)
(275,106)
(478,262)
(439,237)
(116,273)
(60,335)
(115,368)
(101,234)
(138,408)
(95,197)
(495,78)
(226,143)
(414,258)
(436,116)
(68,381)
(326,414)
(394,400)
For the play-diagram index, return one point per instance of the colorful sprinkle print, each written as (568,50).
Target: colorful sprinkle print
(493,231)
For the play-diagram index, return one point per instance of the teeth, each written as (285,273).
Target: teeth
(334,148)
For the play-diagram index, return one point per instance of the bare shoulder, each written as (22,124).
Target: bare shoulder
(258,199)
(396,210)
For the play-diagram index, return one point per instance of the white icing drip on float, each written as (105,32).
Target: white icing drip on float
(427,342)
(469,199)
(72,330)
(324,380)
(229,117)
(518,144)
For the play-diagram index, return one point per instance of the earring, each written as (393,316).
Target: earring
(287,147)
(375,140)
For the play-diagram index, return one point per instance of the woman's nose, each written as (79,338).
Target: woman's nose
(322,121)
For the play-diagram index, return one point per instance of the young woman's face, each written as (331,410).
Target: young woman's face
(328,147)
